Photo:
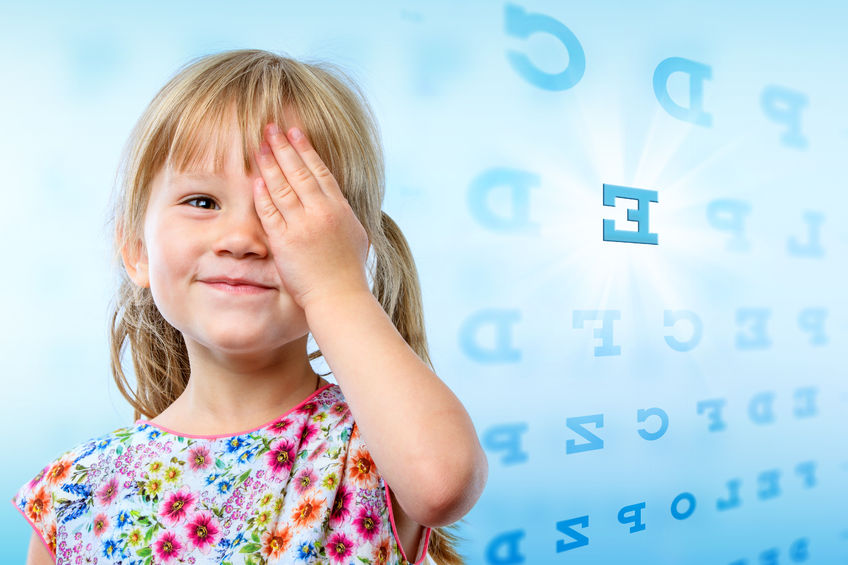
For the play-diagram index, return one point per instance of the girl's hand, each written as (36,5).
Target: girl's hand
(318,244)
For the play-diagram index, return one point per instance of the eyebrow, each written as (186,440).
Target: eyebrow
(200,175)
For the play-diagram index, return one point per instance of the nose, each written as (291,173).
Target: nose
(240,232)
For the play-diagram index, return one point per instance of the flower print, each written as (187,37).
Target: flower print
(307,512)
(135,537)
(306,550)
(308,432)
(247,455)
(123,519)
(38,505)
(202,531)
(317,452)
(212,478)
(51,538)
(341,505)
(281,457)
(167,547)
(172,474)
(275,542)
(279,426)
(177,505)
(363,470)
(110,547)
(108,492)
(304,481)
(262,518)
(103,443)
(307,408)
(198,458)
(101,523)
(59,472)
(235,443)
(340,409)
(319,417)
(152,487)
(153,434)
(330,481)
(155,466)
(339,547)
(367,522)
(225,486)
(381,553)
(266,498)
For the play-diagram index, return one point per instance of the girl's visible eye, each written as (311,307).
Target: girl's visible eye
(202,198)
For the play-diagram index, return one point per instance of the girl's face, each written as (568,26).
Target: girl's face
(201,227)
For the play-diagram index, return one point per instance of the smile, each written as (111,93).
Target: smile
(239,288)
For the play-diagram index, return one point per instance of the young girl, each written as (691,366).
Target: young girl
(251,193)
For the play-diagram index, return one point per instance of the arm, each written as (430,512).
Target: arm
(38,553)
(417,431)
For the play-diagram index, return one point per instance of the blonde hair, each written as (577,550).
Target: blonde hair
(172,132)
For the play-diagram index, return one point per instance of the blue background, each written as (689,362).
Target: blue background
(496,172)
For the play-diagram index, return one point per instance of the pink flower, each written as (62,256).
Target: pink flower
(279,426)
(198,458)
(101,524)
(305,480)
(367,523)
(177,505)
(167,547)
(308,432)
(108,492)
(202,531)
(340,510)
(281,457)
(339,547)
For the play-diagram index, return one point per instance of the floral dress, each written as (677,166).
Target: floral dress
(300,489)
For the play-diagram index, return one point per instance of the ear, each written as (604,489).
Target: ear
(134,256)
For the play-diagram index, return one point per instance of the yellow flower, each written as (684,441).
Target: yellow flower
(135,537)
(330,481)
(172,474)
(152,487)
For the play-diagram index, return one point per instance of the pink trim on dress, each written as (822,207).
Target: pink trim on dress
(34,527)
(427,531)
(218,436)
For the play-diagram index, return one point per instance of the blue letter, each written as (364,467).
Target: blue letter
(642,415)
(579,539)
(759,409)
(604,332)
(728,215)
(768,484)
(789,112)
(671,317)
(576,424)
(757,339)
(812,320)
(733,487)
(813,247)
(634,518)
(716,404)
(676,502)
(638,214)
(510,540)
(507,437)
(697,73)
(520,24)
(519,184)
(808,470)
(805,402)
(501,352)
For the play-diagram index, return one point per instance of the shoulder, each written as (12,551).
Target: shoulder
(59,491)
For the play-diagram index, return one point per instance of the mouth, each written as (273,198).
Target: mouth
(238,288)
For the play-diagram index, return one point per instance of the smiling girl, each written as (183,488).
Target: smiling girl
(250,201)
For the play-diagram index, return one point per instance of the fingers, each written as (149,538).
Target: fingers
(287,176)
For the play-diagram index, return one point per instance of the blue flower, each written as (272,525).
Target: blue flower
(306,550)
(225,486)
(124,519)
(110,547)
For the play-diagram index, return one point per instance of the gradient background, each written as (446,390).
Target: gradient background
(497,182)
